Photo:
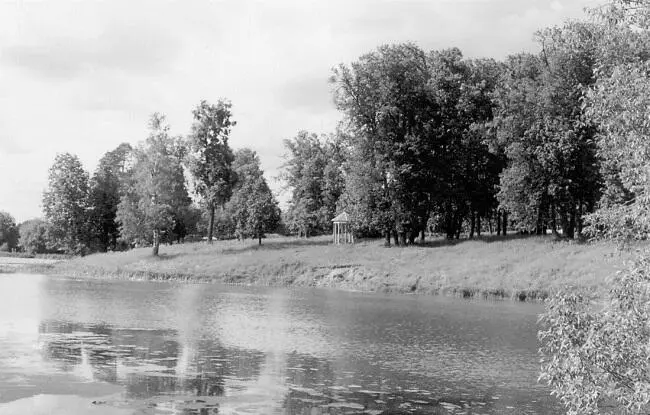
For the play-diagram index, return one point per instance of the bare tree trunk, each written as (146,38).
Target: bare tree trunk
(211,225)
(472,224)
(498,223)
(421,236)
(478,225)
(553,220)
(505,223)
(489,218)
(156,242)
(259,238)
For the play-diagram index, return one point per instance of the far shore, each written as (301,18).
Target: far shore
(522,268)
(18,263)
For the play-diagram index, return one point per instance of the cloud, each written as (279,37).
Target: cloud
(139,49)
(10,147)
(308,94)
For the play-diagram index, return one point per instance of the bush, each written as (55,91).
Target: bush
(599,359)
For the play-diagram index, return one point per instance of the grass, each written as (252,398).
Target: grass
(522,268)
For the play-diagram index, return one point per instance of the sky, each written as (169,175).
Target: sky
(84,76)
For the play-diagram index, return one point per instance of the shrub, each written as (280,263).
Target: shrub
(597,358)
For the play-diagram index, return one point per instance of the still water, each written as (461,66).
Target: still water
(105,347)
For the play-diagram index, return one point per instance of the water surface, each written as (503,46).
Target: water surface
(107,347)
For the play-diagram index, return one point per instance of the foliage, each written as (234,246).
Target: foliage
(35,236)
(107,186)
(619,104)
(210,157)
(155,200)
(313,172)
(553,171)
(66,203)
(599,361)
(413,142)
(253,209)
(8,232)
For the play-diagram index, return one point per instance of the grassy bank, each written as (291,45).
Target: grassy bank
(515,267)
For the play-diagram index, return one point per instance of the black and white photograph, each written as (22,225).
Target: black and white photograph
(324,207)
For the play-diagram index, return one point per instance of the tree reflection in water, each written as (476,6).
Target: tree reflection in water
(148,363)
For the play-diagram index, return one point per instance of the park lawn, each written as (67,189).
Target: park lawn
(524,268)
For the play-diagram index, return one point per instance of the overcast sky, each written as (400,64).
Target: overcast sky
(83,76)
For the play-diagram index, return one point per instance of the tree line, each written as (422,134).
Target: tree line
(142,195)
(430,141)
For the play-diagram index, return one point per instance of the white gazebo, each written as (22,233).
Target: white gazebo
(342,229)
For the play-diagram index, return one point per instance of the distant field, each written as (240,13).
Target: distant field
(524,268)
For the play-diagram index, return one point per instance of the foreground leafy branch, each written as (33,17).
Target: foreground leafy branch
(596,358)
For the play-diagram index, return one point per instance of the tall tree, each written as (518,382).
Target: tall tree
(8,232)
(415,150)
(253,207)
(210,157)
(313,173)
(65,203)
(553,168)
(618,104)
(157,192)
(107,186)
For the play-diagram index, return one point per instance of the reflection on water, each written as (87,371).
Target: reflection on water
(150,348)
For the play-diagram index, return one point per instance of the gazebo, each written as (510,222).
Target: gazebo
(342,232)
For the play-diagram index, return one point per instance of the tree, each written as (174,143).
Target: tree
(313,172)
(34,236)
(253,207)
(107,186)
(210,158)
(552,170)
(8,232)
(157,193)
(596,357)
(65,203)
(413,139)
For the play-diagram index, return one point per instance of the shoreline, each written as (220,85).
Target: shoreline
(517,269)
(332,280)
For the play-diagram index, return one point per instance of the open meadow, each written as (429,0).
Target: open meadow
(523,268)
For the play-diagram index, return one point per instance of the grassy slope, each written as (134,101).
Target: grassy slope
(523,268)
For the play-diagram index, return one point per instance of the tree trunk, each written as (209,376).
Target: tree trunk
(422,236)
(571,233)
(156,242)
(478,225)
(259,238)
(498,223)
(489,218)
(410,236)
(387,241)
(553,220)
(472,224)
(580,222)
(505,223)
(211,225)
(395,238)
(564,221)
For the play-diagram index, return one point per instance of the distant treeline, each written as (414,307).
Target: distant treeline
(554,141)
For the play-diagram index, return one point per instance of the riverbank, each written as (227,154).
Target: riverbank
(28,263)
(522,268)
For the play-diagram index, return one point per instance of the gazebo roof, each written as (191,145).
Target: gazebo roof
(342,217)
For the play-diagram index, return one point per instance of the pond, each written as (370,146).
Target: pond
(114,347)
